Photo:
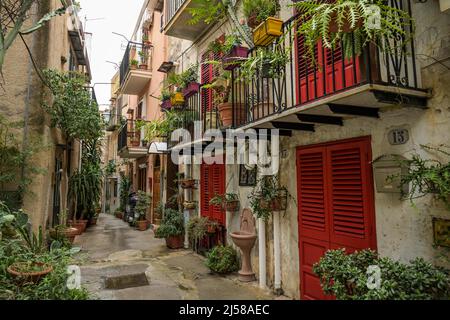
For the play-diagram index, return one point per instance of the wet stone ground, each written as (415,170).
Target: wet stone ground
(120,263)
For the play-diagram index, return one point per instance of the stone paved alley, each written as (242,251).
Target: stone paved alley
(115,257)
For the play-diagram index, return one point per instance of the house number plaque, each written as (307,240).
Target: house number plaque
(398,136)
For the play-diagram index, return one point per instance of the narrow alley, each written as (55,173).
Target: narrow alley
(115,258)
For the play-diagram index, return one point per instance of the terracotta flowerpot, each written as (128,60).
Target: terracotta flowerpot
(175,242)
(69,233)
(191,89)
(141,225)
(79,226)
(226,114)
(143,66)
(32,276)
(346,27)
(234,58)
(83,224)
(93,222)
(232,206)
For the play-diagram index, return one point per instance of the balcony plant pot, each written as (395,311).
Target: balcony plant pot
(175,242)
(267,31)
(16,270)
(188,183)
(191,89)
(143,66)
(211,120)
(177,99)
(84,224)
(226,114)
(166,105)
(231,206)
(142,225)
(234,58)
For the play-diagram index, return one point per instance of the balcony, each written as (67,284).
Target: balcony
(301,94)
(130,141)
(136,68)
(176,19)
(115,120)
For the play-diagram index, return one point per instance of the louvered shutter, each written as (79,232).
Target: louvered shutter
(218,187)
(351,202)
(205,190)
(312,193)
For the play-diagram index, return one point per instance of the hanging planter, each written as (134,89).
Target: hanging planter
(234,58)
(231,206)
(166,105)
(267,31)
(191,89)
(190,205)
(177,99)
(188,183)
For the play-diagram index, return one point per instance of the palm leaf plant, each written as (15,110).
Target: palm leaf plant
(354,23)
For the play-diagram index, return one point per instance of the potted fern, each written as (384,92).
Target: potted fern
(350,22)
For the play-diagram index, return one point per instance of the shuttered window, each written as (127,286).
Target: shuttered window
(212,183)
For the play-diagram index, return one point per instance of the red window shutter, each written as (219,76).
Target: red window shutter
(218,184)
(313,220)
(205,190)
(351,202)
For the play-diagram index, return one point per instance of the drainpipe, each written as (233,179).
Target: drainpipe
(262,253)
(277,252)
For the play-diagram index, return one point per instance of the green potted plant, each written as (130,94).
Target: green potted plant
(189,81)
(142,205)
(349,21)
(260,16)
(145,39)
(165,100)
(32,268)
(228,201)
(222,260)
(143,54)
(62,231)
(197,230)
(427,177)
(221,89)
(134,64)
(171,228)
(268,196)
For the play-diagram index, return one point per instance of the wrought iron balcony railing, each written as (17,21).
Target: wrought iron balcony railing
(300,82)
(137,57)
(130,136)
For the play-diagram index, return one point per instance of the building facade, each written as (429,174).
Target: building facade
(24,94)
(338,124)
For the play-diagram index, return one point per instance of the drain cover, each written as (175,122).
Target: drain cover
(126,281)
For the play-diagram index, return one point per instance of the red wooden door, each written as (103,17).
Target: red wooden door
(335,201)
(212,182)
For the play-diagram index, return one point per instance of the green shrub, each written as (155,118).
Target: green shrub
(172,224)
(346,276)
(222,259)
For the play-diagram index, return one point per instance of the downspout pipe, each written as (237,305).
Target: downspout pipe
(262,253)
